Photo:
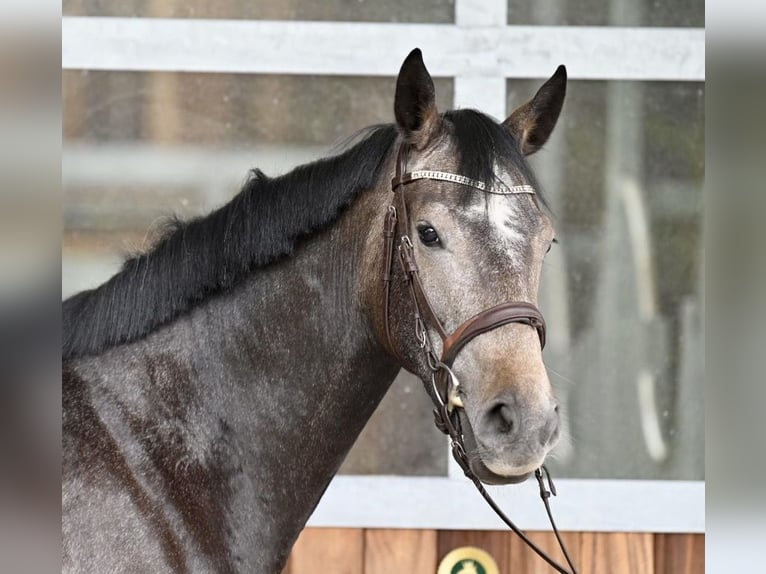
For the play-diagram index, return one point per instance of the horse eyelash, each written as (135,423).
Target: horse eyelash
(554,240)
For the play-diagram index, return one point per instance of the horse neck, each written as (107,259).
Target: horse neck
(286,370)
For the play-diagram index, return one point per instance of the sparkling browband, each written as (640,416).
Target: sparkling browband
(461,179)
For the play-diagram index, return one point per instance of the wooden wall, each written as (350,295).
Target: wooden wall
(380,551)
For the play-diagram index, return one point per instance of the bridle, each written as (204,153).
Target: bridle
(444,384)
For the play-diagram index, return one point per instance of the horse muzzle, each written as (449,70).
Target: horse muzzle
(503,443)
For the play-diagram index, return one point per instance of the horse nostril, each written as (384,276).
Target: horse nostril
(502,418)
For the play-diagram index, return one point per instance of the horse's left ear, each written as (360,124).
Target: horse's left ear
(415,102)
(533,122)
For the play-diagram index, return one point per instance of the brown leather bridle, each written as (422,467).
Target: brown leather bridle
(444,383)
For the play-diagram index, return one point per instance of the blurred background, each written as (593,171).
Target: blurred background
(30,231)
(622,293)
(735,389)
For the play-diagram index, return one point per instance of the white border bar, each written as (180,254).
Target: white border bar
(377,49)
(444,503)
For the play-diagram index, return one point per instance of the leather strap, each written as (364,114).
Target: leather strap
(410,268)
(489,319)
(389,230)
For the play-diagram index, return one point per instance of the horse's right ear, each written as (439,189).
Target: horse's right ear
(415,102)
(533,122)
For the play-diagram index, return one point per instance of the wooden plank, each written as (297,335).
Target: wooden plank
(336,550)
(679,553)
(497,543)
(380,551)
(388,550)
(616,553)
(525,560)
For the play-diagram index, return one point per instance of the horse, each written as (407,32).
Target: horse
(213,386)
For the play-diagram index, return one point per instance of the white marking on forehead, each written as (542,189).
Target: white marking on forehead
(502,212)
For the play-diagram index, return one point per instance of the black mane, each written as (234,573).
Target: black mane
(195,259)
(264,222)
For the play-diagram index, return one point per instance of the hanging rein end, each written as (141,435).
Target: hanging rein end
(544,492)
(541,473)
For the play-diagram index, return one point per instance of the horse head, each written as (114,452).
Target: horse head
(474,248)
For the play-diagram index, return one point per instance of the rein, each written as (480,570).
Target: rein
(444,383)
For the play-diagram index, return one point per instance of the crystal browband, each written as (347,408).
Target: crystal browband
(463,180)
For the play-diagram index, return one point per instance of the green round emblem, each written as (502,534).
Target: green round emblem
(468,560)
(468,566)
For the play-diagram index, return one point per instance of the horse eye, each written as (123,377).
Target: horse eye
(428,234)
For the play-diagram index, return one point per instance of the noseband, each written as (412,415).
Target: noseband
(445,391)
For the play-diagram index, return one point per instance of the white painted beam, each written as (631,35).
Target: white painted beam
(473,88)
(481,12)
(445,503)
(482,93)
(142,164)
(374,49)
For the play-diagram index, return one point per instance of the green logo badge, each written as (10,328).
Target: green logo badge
(468,560)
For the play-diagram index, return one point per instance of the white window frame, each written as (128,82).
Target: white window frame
(480,52)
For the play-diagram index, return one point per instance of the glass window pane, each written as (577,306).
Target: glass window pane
(681,13)
(139,147)
(435,11)
(623,291)
(401,437)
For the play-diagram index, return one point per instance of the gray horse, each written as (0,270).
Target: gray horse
(212,387)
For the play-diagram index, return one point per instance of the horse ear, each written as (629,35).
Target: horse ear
(414,103)
(533,122)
